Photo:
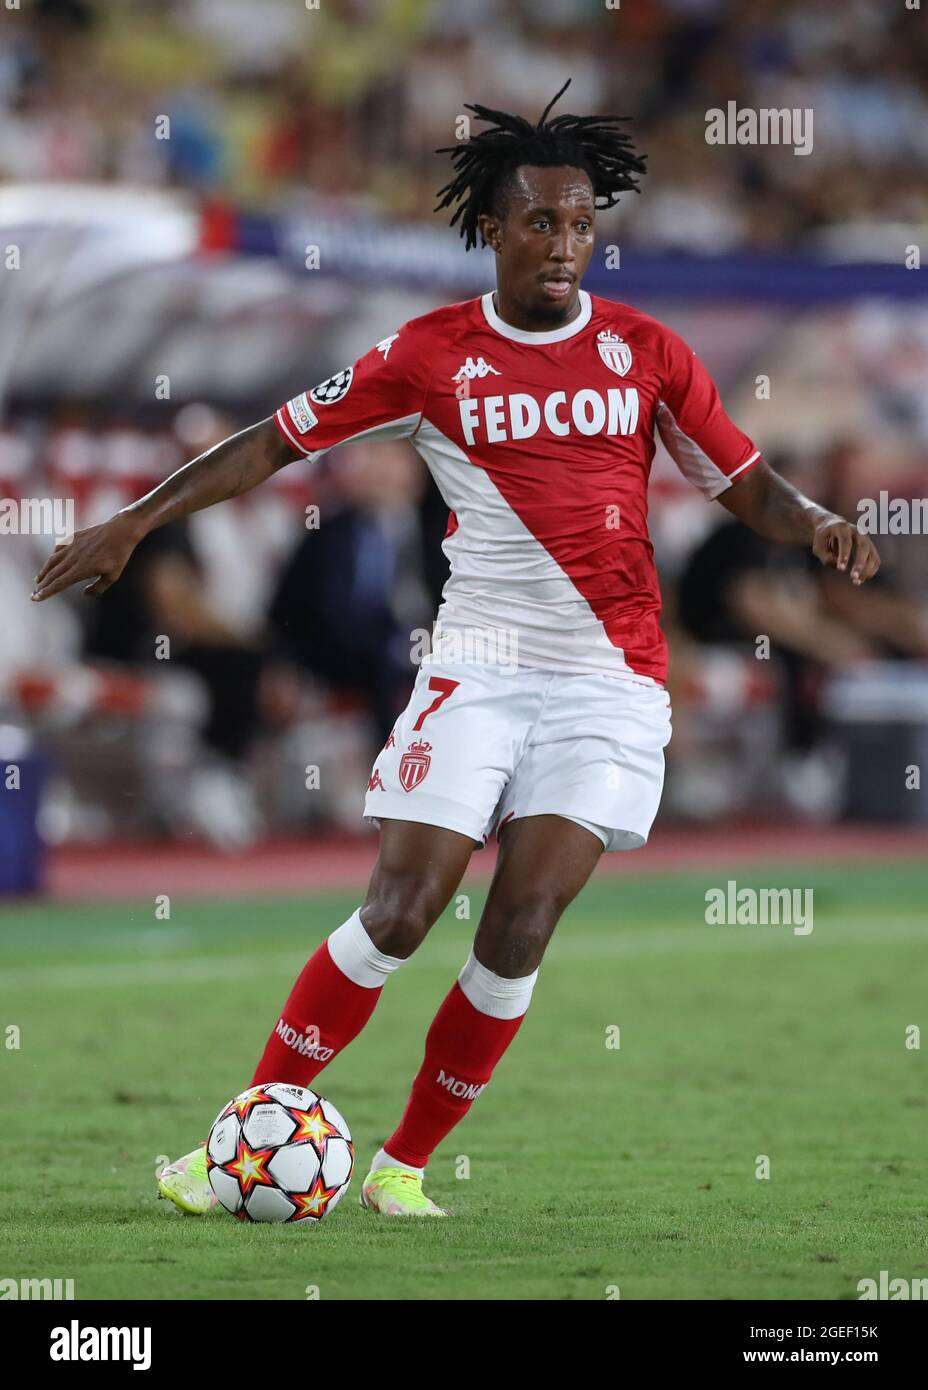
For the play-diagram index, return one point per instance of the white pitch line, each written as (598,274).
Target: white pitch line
(627,943)
(173,970)
(901,929)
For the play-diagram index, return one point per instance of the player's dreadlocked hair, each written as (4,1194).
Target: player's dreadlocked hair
(482,163)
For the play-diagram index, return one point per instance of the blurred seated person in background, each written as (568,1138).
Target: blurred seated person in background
(894,615)
(163,595)
(737,587)
(352,593)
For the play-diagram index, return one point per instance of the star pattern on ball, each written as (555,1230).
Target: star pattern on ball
(312,1124)
(250,1167)
(311,1205)
(242,1104)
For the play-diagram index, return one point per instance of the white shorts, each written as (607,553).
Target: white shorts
(478,745)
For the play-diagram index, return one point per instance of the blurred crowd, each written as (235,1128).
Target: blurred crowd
(261,651)
(264,648)
(238,652)
(347,100)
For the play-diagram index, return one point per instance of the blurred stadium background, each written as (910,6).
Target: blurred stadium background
(158,293)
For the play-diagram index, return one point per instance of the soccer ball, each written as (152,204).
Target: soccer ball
(279,1153)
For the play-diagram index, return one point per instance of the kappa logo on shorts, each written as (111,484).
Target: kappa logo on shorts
(414,765)
(332,389)
(375,784)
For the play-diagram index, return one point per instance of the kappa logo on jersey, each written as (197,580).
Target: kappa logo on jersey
(471,370)
(500,418)
(615,352)
(375,784)
(300,413)
(414,765)
(332,390)
(385,345)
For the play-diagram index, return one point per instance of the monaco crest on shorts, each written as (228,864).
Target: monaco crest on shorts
(615,352)
(414,764)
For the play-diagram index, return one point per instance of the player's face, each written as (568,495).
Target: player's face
(543,245)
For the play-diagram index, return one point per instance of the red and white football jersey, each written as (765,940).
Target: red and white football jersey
(541,445)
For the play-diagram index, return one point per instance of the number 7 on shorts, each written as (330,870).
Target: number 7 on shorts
(445,687)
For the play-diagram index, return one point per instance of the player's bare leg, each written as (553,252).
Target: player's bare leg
(543,863)
(417,870)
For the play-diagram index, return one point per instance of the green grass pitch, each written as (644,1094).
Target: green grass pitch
(591,1168)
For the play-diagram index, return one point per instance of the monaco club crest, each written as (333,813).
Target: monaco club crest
(414,764)
(615,352)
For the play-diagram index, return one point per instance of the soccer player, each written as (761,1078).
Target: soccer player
(542,712)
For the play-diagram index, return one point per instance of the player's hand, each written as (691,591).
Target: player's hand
(840,546)
(98,553)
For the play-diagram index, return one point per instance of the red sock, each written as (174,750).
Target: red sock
(324,1012)
(461,1050)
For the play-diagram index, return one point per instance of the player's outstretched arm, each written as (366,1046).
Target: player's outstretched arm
(777,511)
(100,552)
